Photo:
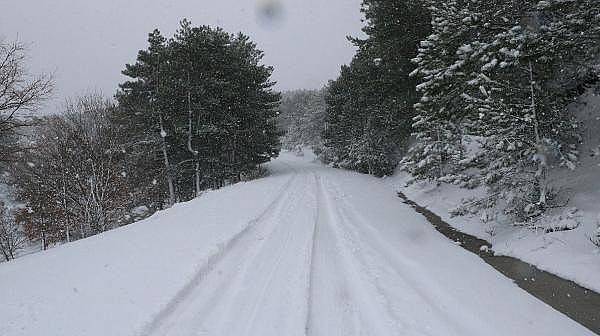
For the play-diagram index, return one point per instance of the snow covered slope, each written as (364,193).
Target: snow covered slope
(306,251)
(569,254)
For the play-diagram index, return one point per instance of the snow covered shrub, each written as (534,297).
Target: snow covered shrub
(327,155)
(461,180)
(484,206)
(298,151)
(595,237)
(318,148)
(254,174)
(470,206)
(460,211)
(521,198)
(569,219)
(366,155)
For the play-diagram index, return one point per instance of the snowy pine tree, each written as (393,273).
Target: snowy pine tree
(506,73)
(142,115)
(440,111)
(302,118)
(370,105)
(204,100)
(522,106)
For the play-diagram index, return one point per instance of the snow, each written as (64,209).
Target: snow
(308,250)
(140,211)
(569,252)
(114,283)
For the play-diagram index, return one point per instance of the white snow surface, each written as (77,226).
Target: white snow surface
(569,254)
(308,250)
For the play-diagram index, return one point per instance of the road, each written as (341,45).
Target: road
(337,253)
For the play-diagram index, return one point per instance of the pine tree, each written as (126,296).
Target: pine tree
(370,106)
(505,72)
(572,30)
(142,115)
(522,103)
(352,117)
(211,106)
(302,118)
(442,71)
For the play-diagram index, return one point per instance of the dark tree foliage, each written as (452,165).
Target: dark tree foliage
(302,119)
(370,106)
(139,115)
(200,110)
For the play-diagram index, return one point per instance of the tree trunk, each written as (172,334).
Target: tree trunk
(198,179)
(44,241)
(541,155)
(169,175)
(190,147)
(6,258)
(66,217)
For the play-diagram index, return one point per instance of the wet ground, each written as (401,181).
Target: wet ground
(579,303)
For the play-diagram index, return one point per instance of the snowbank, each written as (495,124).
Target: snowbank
(116,282)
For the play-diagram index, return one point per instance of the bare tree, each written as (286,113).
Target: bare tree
(74,178)
(20,92)
(11,235)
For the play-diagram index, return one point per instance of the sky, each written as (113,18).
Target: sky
(86,44)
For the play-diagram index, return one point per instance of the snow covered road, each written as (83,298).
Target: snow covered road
(307,251)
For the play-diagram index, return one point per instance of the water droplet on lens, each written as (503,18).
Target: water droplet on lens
(269,13)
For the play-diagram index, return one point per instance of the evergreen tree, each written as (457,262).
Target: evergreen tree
(370,106)
(572,29)
(302,118)
(142,115)
(522,103)
(207,102)
(505,72)
(358,128)
(440,111)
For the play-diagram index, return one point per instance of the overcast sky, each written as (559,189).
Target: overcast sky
(86,43)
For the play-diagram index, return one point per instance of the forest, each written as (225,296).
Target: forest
(198,113)
(473,93)
(309,168)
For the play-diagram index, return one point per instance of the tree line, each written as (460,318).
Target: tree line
(467,92)
(197,112)
(302,119)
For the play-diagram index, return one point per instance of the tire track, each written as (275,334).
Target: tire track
(213,260)
(311,266)
(357,312)
(263,292)
(381,250)
(267,307)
